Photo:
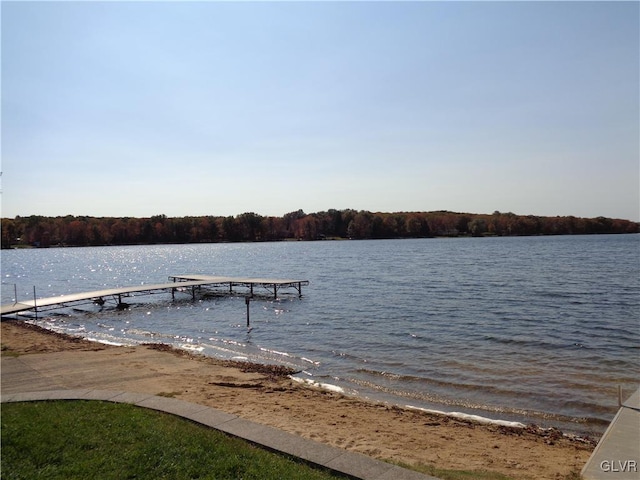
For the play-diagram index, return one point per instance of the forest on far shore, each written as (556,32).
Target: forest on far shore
(72,230)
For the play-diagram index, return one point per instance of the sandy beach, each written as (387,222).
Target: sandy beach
(266,395)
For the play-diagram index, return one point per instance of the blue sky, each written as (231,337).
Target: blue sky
(219,108)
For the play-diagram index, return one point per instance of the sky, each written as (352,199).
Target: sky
(220,108)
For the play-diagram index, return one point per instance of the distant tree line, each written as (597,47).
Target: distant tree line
(251,227)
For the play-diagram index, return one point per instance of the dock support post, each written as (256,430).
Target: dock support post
(619,396)
(35,305)
(275,291)
(247,300)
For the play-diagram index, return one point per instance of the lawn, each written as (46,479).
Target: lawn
(90,439)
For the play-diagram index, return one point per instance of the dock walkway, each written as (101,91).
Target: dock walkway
(271,284)
(179,283)
(617,456)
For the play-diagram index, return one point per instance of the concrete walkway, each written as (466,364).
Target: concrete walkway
(617,456)
(22,380)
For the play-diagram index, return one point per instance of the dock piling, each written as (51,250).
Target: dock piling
(619,395)
(35,305)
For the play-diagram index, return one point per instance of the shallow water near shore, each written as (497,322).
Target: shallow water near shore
(529,329)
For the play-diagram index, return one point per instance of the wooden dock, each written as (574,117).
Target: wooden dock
(271,284)
(179,283)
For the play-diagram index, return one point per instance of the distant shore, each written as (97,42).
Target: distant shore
(267,395)
(40,231)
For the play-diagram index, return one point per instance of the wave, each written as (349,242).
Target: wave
(191,348)
(106,342)
(324,386)
(599,416)
(411,379)
(530,341)
(466,416)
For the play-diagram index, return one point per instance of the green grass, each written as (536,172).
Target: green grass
(90,439)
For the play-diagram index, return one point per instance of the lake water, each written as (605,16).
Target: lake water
(530,329)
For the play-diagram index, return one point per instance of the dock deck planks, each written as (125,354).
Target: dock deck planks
(179,282)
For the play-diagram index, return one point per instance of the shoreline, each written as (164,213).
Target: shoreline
(533,420)
(266,394)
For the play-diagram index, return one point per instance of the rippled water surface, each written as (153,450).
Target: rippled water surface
(532,329)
